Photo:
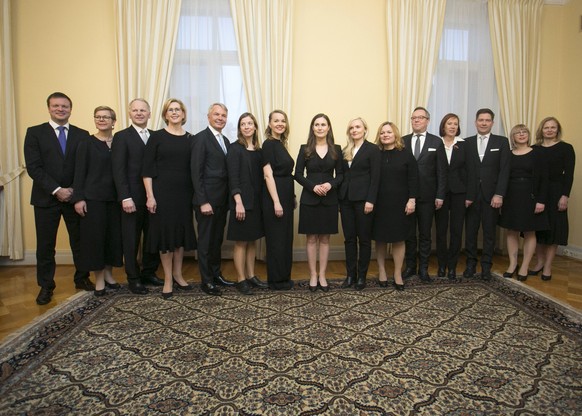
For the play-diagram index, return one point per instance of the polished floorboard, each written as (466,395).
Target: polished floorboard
(18,288)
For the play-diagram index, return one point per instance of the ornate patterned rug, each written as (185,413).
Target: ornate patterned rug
(461,348)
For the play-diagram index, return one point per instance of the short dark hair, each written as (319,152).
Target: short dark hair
(58,95)
(485,111)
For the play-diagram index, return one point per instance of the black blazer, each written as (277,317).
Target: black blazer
(432,168)
(361,180)
(209,171)
(492,174)
(319,171)
(127,152)
(461,175)
(93,173)
(240,176)
(46,164)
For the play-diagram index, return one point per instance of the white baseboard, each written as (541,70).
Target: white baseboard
(570,251)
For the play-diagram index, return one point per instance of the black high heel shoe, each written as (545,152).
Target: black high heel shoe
(99,293)
(534,272)
(323,288)
(510,275)
(167,295)
(382,283)
(521,278)
(114,285)
(188,287)
(399,287)
(313,288)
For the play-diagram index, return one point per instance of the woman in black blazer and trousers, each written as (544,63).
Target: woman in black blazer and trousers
(318,214)
(357,194)
(245,180)
(460,194)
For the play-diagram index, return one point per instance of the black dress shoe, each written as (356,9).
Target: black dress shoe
(152,280)
(399,287)
(136,287)
(360,283)
(210,289)
(256,282)
(99,293)
(167,295)
(221,281)
(469,272)
(348,282)
(383,283)
(486,275)
(408,272)
(114,286)
(244,287)
(452,275)
(44,296)
(441,272)
(84,284)
(424,276)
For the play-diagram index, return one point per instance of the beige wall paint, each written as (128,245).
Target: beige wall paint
(339,68)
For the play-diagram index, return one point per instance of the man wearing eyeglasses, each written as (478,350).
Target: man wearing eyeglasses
(49,153)
(428,150)
(127,153)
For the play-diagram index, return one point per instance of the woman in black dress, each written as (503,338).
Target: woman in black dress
(318,213)
(95,201)
(166,178)
(561,160)
(278,202)
(357,195)
(396,201)
(245,180)
(524,203)
(460,194)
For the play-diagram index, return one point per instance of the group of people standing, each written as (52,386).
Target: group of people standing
(114,191)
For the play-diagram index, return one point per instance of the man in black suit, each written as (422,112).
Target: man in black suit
(50,151)
(430,154)
(127,152)
(490,156)
(210,180)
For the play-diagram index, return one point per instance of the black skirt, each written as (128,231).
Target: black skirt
(318,219)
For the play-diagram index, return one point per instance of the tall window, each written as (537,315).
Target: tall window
(206,67)
(464,79)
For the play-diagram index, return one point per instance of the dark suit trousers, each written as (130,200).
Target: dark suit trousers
(357,228)
(422,219)
(450,218)
(210,237)
(133,226)
(480,213)
(47,220)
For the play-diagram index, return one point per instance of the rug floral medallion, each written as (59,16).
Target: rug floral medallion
(462,348)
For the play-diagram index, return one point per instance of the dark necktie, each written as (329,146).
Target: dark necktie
(417,147)
(62,138)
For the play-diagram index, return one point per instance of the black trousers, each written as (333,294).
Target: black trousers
(210,237)
(279,243)
(47,220)
(449,223)
(357,227)
(421,219)
(133,227)
(480,213)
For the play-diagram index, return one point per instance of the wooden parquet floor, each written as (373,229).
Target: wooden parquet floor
(18,288)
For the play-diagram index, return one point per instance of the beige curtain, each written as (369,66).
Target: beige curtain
(11,243)
(515,27)
(146,38)
(264,36)
(414,33)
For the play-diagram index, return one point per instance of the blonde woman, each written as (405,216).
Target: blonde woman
(357,195)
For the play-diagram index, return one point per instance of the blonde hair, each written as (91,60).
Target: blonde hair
(167,105)
(348,150)
(269,132)
(398,142)
(540,133)
(515,130)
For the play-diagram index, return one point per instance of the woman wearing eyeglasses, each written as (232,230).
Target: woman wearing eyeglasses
(95,200)
(169,191)
(523,209)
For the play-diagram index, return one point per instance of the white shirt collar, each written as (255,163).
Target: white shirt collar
(55,125)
